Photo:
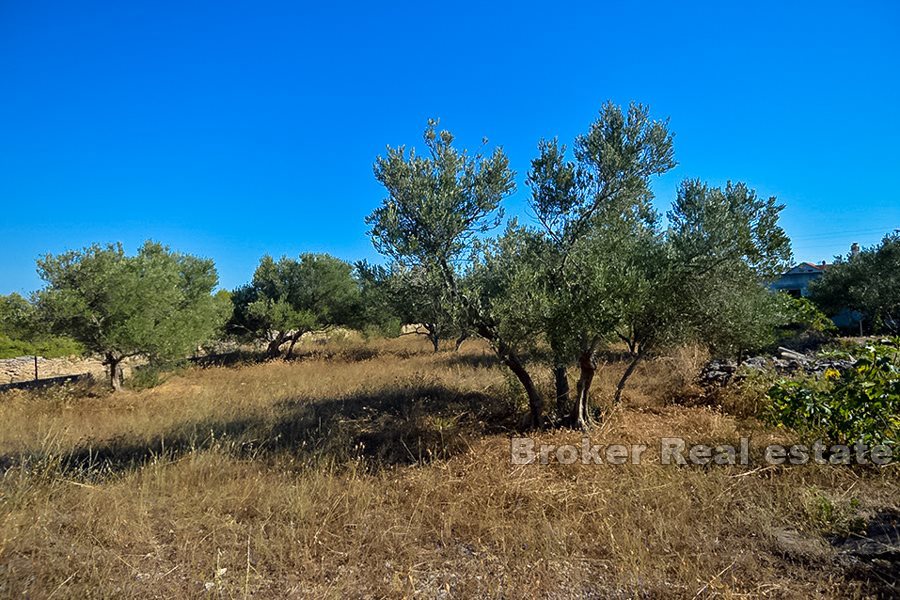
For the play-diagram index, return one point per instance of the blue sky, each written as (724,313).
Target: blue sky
(232,129)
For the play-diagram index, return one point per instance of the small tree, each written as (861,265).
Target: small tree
(437,208)
(593,211)
(377,305)
(421,298)
(868,283)
(289,297)
(17,317)
(506,289)
(410,295)
(725,246)
(615,275)
(702,280)
(157,303)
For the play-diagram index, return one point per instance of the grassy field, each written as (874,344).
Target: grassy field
(382,470)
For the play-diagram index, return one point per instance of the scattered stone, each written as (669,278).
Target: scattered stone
(873,555)
(722,372)
(794,545)
(879,541)
(757,362)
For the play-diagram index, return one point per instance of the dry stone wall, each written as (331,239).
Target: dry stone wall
(22,368)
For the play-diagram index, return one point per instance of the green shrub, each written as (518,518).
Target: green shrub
(746,396)
(389,328)
(152,374)
(803,315)
(51,347)
(860,404)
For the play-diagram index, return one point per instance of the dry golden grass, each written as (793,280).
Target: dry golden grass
(382,470)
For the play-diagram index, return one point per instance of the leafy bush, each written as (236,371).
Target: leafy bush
(748,395)
(803,315)
(154,373)
(387,329)
(51,347)
(862,403)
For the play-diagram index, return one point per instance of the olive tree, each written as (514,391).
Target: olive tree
(289,297)
(17,317)
(377,304)
(704,278)
(599,267)
(22,331)
(438,206)
(725,246)
(616,275)
(595,214)
(421,298)
(157,303)
(506,290)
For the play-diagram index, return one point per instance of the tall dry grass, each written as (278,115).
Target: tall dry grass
(382,470)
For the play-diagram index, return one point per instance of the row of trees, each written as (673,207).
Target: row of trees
(288,298)
(161,304)
(598,266)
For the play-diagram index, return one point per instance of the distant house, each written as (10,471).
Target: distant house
(795,281)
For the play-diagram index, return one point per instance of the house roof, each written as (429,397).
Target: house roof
(820,266)
(807,267)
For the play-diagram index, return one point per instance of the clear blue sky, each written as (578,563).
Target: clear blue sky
(232,129)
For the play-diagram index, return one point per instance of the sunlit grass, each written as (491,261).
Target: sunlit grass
(382,470)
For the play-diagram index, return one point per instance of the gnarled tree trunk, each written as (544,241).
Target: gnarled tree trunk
(462,338)
(290,351)
(274,347)
(561,381)
(581,411)
(433,335)
(535,400)
(506,354)
(114,368)
(512,360)
(629,370)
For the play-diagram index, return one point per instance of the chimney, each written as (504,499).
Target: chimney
(854,250)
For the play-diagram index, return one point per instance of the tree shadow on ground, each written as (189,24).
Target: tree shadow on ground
(234,358)
(348,354)
(394,427)
(475,361)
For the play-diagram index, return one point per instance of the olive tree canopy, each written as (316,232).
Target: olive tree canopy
(289,297)
(439,205)
(157,303)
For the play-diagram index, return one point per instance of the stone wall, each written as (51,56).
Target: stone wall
(22,368)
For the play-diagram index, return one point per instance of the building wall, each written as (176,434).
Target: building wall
(799,282)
